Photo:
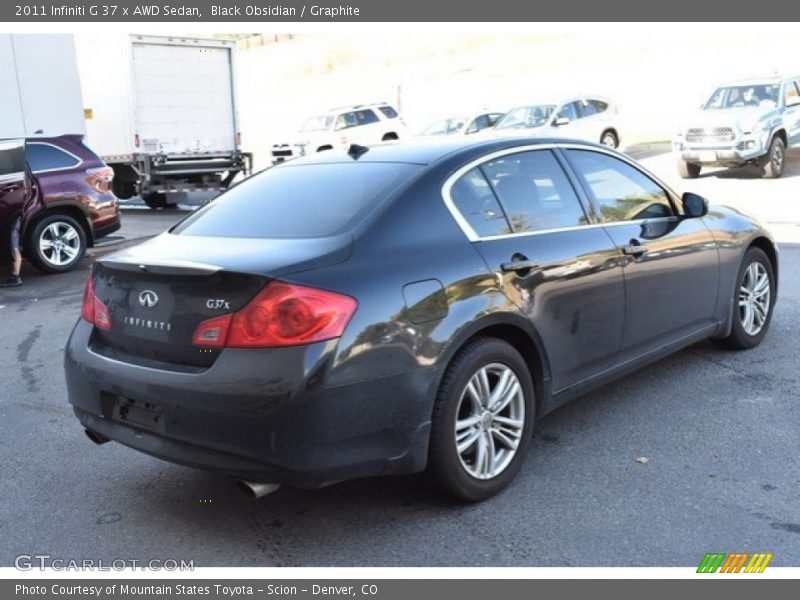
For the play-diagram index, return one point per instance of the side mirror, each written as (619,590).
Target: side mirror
(560,121)
(793,101)
(694,206)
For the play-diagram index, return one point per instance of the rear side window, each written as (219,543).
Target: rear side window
(475,201)
(301,201)
(388,112)
(599,105)
(622,192)
(586,108)
(356,118)
(534,192)
(12,158)
(44,157)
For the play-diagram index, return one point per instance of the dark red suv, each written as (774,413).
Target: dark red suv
(63,196)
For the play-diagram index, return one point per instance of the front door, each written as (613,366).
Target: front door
(671,262)
(12,191)
(562,273)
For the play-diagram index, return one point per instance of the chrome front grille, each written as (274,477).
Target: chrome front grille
(714,134)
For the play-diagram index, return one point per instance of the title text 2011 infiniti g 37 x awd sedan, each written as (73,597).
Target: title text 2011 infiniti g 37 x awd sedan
(405,308)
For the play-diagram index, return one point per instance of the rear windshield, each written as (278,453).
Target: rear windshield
(298,201)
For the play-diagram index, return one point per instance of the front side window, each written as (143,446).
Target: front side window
(473,197)
(444,127)
(569,111)
(12,158)
(621,192)
(302,201)
(356,118)
(790,92)
(534,191)
(586,108)
(44,157)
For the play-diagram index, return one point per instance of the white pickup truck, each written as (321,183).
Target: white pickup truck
(743,122)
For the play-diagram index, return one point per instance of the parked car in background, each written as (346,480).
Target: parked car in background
(338,128)
(405,307)
(462,124)
(69,205)
(162,112)
(589,118)
(744,122)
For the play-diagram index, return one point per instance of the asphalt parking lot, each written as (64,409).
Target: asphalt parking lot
(719,431)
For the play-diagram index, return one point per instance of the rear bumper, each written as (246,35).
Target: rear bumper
(101,232)
(261,415)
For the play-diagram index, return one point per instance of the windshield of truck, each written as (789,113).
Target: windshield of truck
(318,123)
(298,201)
(739,96)
(525,117)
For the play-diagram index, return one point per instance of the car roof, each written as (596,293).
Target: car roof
(427,151)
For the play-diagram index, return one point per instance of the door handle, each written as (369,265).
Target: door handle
(634,248)
(518,265)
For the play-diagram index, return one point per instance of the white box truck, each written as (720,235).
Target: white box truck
(40,93)
(161,111)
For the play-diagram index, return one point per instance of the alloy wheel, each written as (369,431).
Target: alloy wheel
(489,421)
(777,158)
(754,298)
(59,243)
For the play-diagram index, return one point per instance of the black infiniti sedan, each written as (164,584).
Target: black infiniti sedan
(405,308)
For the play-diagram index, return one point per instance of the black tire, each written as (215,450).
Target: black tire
(775,160)
(739,338)
(391,136)
(445,467)
(155,200)
(688,170)
(57,257)
(610,139)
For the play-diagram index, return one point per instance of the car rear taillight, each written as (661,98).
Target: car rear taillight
(100,178)
(281,314)
(92,310)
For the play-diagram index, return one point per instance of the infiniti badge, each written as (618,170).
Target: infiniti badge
(148,298)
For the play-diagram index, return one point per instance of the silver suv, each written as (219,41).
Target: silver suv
(743,122)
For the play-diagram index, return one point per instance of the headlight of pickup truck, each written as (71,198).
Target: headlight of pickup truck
(755,129)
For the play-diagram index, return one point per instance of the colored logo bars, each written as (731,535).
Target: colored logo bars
(734,562)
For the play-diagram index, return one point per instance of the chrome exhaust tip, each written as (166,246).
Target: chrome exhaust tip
(257,490)
(97,438)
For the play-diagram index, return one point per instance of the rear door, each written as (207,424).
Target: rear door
(671,263)
(12,191)
(561,271)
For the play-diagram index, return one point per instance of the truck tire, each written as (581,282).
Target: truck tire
(775,159)
(155,200)
(56,244)
(688,170)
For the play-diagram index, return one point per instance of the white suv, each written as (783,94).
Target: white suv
(589,118)
(338,128)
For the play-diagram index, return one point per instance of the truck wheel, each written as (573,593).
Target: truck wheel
(688,170)
(775,159)
(155,200)
(56,244)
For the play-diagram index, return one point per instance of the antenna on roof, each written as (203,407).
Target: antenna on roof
(356,151)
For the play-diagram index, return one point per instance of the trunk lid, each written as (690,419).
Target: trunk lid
(158,292)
